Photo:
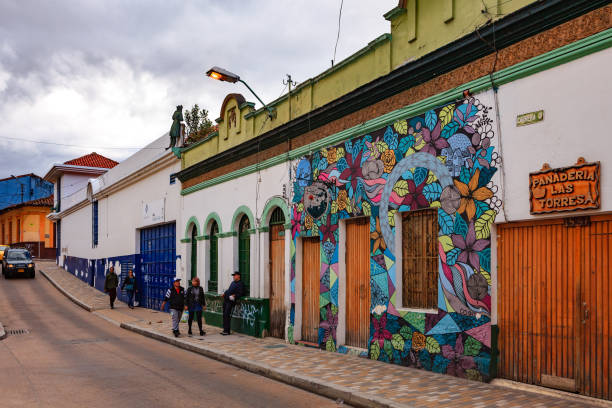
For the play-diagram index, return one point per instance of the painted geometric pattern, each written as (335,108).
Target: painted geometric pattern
(442,159)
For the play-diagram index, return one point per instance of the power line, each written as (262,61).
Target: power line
(79,146)
(338,36)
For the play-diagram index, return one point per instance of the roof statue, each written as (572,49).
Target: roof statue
(175,130)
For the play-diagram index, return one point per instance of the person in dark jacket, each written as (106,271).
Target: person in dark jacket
(175,296)
(195,303)
(110,285)
(230,296)
(129,285)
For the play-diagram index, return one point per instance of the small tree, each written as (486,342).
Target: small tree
(198,125)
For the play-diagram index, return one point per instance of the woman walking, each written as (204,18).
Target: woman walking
(195,303)
(129,285)
(110,285)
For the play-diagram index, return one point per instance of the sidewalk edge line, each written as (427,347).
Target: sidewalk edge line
(65,292)
(108,319)
(349,396)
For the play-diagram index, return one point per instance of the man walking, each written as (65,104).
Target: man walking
(110,285)
(129,285)
(230,296)
(195,303)
(176,297)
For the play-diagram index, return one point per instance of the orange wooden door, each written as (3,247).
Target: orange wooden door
(594,310)
(311,270)
(554,313)
(358,282)
(277,281)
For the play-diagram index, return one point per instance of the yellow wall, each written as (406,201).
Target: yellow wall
(35,227)
(417,29)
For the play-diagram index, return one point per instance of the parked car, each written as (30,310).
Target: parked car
(2,249)
(18,262)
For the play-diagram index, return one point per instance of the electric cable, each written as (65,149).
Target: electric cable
(338,36)
(79,146)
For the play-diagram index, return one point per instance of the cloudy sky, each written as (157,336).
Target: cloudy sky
(106,75)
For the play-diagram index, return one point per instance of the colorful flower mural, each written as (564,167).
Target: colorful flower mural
(442,159)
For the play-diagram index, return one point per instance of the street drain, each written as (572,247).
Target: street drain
(14,332)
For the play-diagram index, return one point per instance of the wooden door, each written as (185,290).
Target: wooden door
(554,311)
(594,318)
(358,282)
(311,281)
(277,281)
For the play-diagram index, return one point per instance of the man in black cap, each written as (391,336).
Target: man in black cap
(230,296)
(176,297)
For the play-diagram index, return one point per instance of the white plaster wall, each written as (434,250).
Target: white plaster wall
(575,99)
(72,182)
(253,191)
(120,213)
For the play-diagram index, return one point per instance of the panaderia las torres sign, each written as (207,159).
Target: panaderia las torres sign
(565,189)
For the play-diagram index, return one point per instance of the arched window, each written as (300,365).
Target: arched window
(214,257)
(277,217)
(244,253)
(194,253)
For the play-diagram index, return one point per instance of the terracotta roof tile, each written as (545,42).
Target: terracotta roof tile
(93,160)
(40,202)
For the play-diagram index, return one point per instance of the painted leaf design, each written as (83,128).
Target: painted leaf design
(481,207)
(374,351)
(366,208)
(449,130)
(451,256)
(432,191)
(406,332)
(485,259)
(431,177)
(432,345)
(397,341)
(435,204)
(330,345)
(446,114)
(446,222)
(323,152)
(472,347)
(315,230)
(401,188)
(447,242)
(381,146)
(420,175)
(401,127)
(300,207)
(334,207)
(431,119)
(482,226)
(460,227)
(388,348)
(406,143)
(486,275)
(465,175)
(391,138)
(392,217)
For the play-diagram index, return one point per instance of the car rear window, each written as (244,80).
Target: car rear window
(18,256)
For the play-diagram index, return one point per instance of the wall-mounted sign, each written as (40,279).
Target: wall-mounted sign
(529,118)
(153,212)
(565,189)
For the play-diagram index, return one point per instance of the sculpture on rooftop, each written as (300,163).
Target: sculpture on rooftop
(175,130)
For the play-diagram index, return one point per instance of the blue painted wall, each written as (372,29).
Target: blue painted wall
(33,188)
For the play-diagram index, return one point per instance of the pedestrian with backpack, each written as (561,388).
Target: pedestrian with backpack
(175,296)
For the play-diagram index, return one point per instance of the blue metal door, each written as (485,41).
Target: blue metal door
(158,263)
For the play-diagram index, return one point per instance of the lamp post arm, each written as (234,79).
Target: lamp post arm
(270,110)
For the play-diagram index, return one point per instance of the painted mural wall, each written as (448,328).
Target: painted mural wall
(443,159)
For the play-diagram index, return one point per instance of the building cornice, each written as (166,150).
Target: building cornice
(570,52)
(522,24)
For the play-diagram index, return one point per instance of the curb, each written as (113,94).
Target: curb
(2,332)
(349,396)
(551,392)
(66,293)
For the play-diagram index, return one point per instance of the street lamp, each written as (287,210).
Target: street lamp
(224,75)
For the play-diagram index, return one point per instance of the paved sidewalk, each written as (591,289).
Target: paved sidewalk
(357,381)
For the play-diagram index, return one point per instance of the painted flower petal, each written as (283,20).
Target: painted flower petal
(470,209)
(475,260)
(422,201)
(463,189)
(471,234)
(482,194)
(462,205)
(463,257)
(480,244)
(458,241)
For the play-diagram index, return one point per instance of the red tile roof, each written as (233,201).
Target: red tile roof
(40,202)
(93,160)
